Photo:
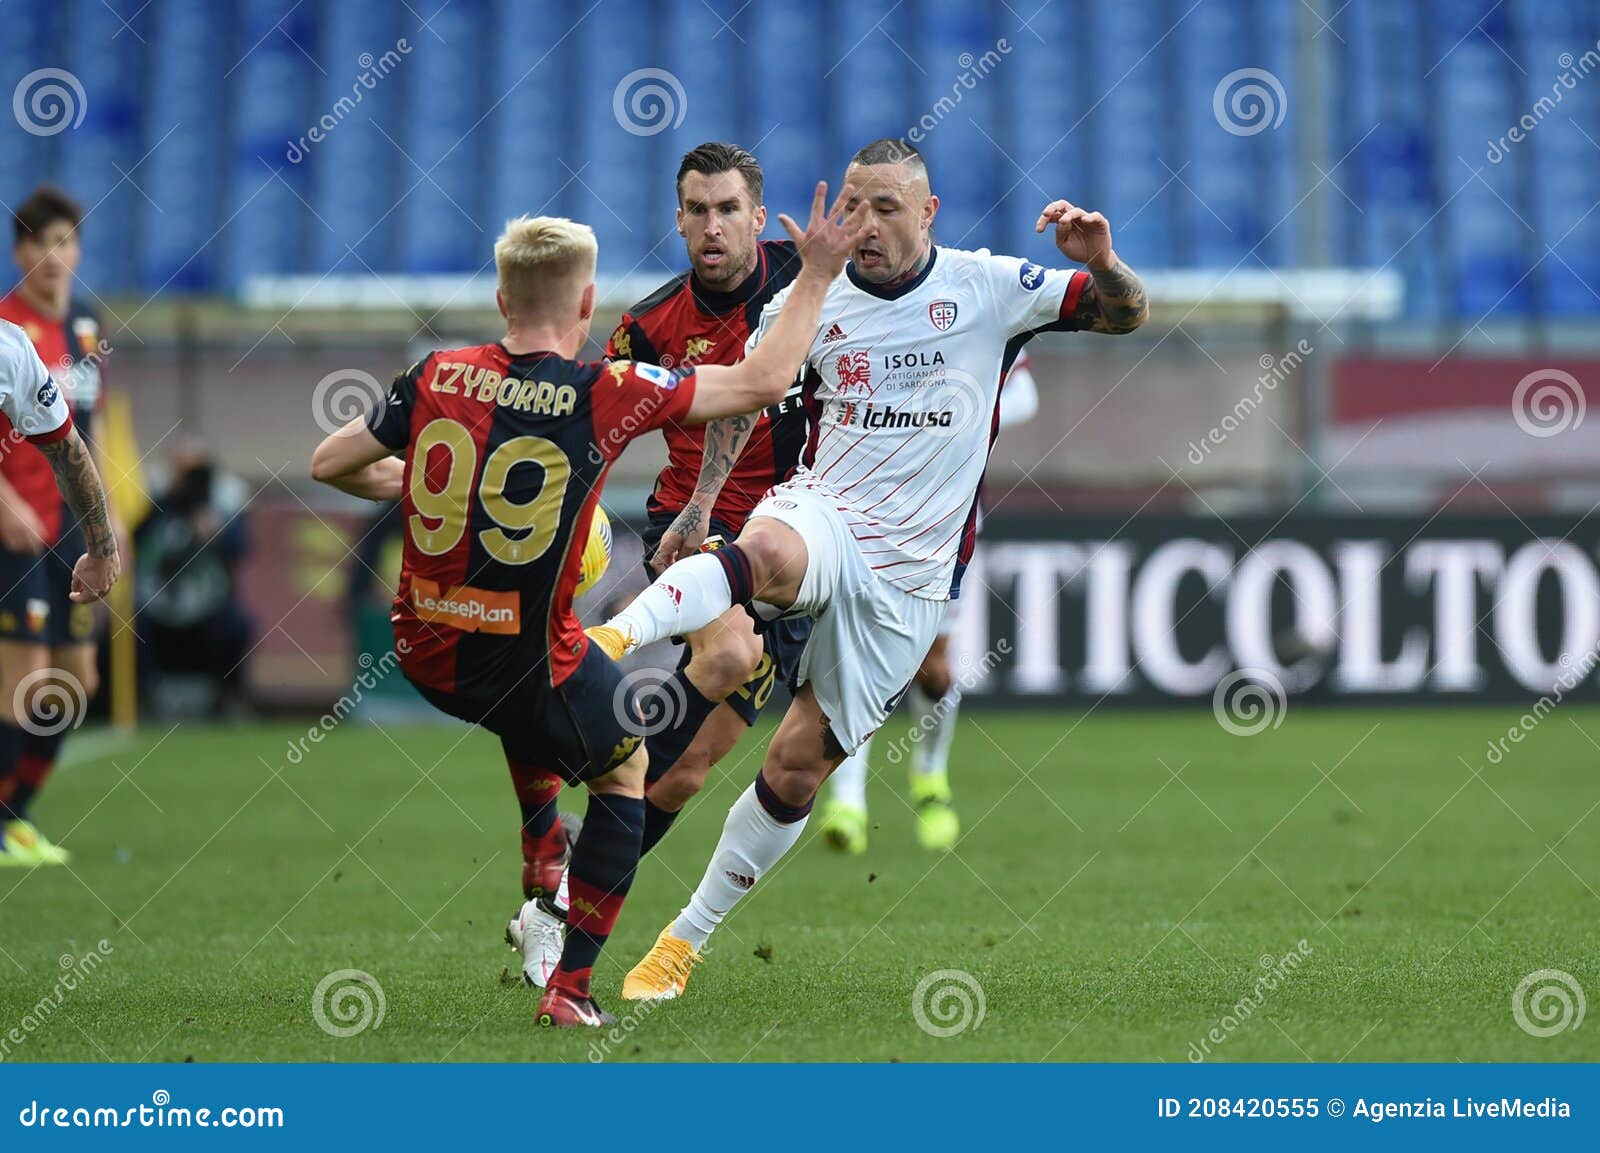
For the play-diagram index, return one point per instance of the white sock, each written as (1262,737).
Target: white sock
(848,785)
(687,597)
(752,842)
(561,890)
(937,722)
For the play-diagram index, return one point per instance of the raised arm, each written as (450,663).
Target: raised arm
(1114,301)
(725,440)
(98,569)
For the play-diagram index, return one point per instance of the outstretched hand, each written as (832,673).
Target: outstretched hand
(830,236)
(1080,235)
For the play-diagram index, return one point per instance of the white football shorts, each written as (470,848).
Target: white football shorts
(870,637)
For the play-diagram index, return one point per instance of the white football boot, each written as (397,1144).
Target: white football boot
(539,929)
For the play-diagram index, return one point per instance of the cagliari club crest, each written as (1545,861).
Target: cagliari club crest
(942,313)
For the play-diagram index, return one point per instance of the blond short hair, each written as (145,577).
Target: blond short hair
(544,262)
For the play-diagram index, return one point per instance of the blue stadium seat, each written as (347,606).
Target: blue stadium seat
(963,152)
(1216,178)
(32,42)
(533,127)
(1487,233)
(209,109)
(101,158)
(369,46)
(444,150)
(1043,94)
(266,219)
(870,81)
(1560,149)
(1132,126)
(1386,135)
(788,119)
(613,171)
(184,125)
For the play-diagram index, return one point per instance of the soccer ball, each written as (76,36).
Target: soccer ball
(596,552)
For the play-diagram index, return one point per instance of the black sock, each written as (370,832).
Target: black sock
(603,864)
(11,742)
(40,748)
(664,748)
(656,823)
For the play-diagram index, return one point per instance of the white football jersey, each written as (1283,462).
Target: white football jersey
(902,388)
(29,395)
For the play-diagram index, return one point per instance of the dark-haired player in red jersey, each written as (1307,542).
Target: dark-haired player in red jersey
(505,448)
(47,649)
(703,317)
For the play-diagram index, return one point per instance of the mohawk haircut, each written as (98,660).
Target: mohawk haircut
(889,150)
(716,156)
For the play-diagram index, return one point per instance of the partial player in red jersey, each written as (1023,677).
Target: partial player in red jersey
(704,317)
(47,650)
(498,455)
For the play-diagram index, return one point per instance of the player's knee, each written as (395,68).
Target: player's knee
(777,561)
(681,782)
(724,658)
(626,780)
(89,677)
(20,668)
(794,771)
(933,678)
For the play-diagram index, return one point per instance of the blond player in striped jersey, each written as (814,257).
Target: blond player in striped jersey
(872,533)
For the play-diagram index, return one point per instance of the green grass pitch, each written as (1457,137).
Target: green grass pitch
(1121,878)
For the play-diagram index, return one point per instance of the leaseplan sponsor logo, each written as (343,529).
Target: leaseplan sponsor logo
(466,608)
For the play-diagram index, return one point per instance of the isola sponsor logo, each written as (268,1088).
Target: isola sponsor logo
(895,360)
(858,415)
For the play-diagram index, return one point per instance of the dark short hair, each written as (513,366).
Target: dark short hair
(716,156)
(889,150)
(45,206)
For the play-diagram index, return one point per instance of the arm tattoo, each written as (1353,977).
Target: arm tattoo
(725,440)
(1114,301)
(689,520)
(80,485)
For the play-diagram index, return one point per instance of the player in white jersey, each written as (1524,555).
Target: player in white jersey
(872,533)
(934,701)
